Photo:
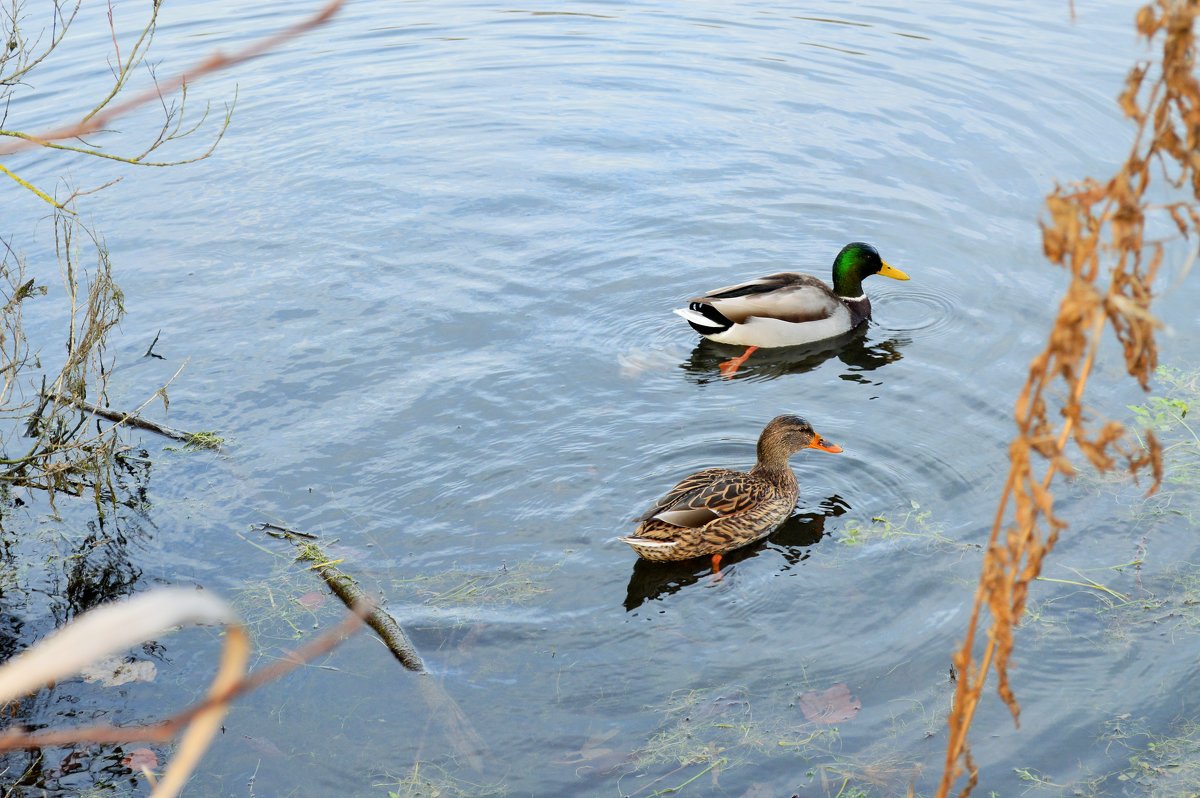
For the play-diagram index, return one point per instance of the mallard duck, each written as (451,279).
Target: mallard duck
(789,309)
(717,510)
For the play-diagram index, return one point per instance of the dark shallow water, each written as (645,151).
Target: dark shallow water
(424,287)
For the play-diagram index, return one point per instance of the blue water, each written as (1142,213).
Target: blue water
(424,288)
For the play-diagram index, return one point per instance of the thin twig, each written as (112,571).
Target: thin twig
(150,352)
(215,62)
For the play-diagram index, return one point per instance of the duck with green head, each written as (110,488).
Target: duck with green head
(789,309)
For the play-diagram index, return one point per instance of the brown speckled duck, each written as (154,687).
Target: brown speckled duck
(717,510)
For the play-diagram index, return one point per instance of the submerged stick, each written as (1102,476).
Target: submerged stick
(444,710)
(345,588)
(199,439)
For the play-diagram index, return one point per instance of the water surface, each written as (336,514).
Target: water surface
(424,287)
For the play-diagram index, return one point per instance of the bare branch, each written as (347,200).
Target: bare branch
(105,113)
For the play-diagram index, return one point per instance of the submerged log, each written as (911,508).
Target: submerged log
(200,440)
(444,710)
(345,588)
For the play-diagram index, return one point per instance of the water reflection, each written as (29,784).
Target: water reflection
(794,540)
(104,568)
(853,349)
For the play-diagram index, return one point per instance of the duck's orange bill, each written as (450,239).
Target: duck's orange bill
(826,446)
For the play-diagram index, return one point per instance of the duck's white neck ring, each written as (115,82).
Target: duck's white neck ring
(858,298)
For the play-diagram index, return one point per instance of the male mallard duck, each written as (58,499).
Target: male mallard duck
(789,309)
(717,510)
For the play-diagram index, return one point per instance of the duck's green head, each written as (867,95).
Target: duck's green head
(857,261)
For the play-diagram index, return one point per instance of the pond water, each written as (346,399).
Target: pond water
(424,288)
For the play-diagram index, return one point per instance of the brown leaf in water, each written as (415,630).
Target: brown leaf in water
(312,600)
(834,705)
(140,759)
(262,745)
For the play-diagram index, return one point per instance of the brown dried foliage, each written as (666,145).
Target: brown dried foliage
(1090,223)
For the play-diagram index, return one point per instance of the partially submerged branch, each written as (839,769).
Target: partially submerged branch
(345,588)
(198,440)
(443,710)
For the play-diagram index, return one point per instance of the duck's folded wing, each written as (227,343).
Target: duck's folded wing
(790,297)
(725,495)
(689,485)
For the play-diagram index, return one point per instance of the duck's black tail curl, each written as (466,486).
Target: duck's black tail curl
(718,322)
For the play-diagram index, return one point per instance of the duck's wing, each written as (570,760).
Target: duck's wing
(787,296)
(705,496)
(687,486)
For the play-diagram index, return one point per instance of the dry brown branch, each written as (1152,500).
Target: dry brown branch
(1089,223)
(114,627)
(105,114)
(167,730)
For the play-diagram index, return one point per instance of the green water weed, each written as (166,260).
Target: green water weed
(707,732)
(461,587)
(914,523)
(426,780)
(1160,765)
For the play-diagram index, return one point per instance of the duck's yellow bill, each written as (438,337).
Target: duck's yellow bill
(826,446)
(889,270)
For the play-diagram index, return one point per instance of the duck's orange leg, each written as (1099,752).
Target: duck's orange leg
(730,367)
(716,562)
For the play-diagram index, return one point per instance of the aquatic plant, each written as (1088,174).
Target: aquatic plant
(69,452)
(1088,223)
(64,453)
(705,733)
(1165,413)
(51,438)
(510,584)
(1160,765)
(427,780)
(913,523)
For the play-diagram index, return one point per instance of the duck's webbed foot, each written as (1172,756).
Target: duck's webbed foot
(730,367)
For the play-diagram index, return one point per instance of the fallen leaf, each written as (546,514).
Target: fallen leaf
(830,706)
(312,600)
(140,759)
(262,745)
(115,671)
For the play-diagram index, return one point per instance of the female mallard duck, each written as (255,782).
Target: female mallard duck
(789,309)
(717,510)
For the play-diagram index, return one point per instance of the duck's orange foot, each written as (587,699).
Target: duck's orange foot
(716,563)
(730,367)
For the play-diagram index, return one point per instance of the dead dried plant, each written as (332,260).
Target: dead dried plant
(113,628)
(1096,230)
(58,451)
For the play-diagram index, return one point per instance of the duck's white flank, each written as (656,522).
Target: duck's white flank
(760,331)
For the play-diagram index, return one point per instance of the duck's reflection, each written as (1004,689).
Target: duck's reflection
(793,540)
(854,349)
